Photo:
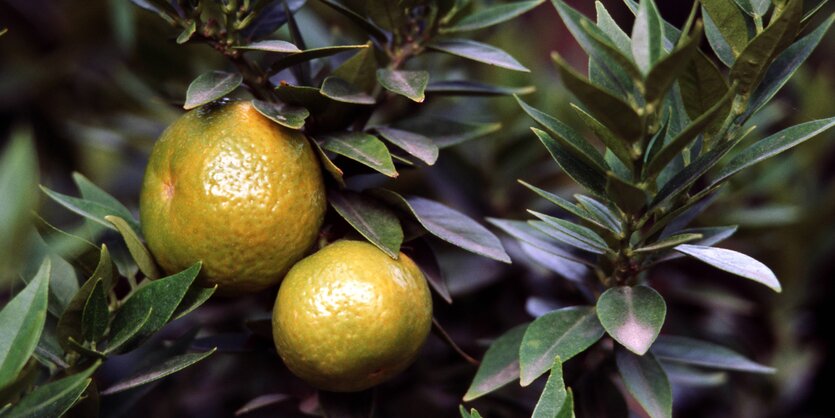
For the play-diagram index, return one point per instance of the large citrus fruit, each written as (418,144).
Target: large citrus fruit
(228,186)
(350,316)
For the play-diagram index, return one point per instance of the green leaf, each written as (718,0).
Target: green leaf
(500,364)
(86,208)
(614,144)
(773,145)
(410,84)
(754,60)
(702,85)
(754,7)
(669,242)
(194,298)
(363,148)
(163,296)
(609,27)
(96,315)
(564,204)
(570,233)
(474,88)
(288,116)
(447,132)
(633,316)
(18,178)
(676,145)
(209,87)
(158,371)
(526,233)
(785,65)
(290,60)
(335,172)
(21,323)
(136,248)
(733,262)
(492,15)
(374,221)
(359,70)
(646,381)
(187,33)
(342,91)
(670,68)
(717,41)
(271,45)
(555,401)
(452,226)
(612,111)
(567,137)
(602,213)
(71,321)
(584,174)
(55,398)
(477,51)
(647,36)
(368,26)
(730,21)
(124,335)
(557,336)
(413,143)
(704,354)
(93,193)
(629,197)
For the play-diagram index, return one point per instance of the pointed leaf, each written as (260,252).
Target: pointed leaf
(270,18)
(474,88)
(123,335)
(70,323)
(194,298)
(633,316)
(18,177)
(702,85)
(413,143)
(309,55)
(448,132)
(561,334)
(616,145)
(608,25)
(526,233)
(647,36)
(730,21)
(492,15)
(564,204)
(717,41)
(571,233)
(629,197)
(584,174)
(261,402)
(209,87)
(340,90)
(552,401)
(21,323)
(668,69)
(704,354)
(93,193)
(136,248)
(158,371)
(422,254)
(363,148)
(368,26)
(500,364)
(477,51)
(370,218)
(600,212)
(95,317)
(288,116)
(55,398)
(669,242)
(646,381)
(734,263)
(271,45)
(410,84)
(360,70)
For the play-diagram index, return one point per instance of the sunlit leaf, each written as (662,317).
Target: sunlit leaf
(477,51)
(21,323)
(372,220)
(410,84)
(733,262)
(211,86)
(633,316)
(363,148)
(492,15)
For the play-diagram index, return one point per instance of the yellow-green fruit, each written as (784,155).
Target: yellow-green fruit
(229,187)
(350,316)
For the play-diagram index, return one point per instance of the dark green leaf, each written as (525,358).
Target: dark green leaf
(614,144)
(86,208)
(717,41)
(567,137)
(158,371)
(474,88)
(18,178)
(609,27)
(410,84)
(754,7)
(670,68)
(553,400)
(629,197)
(570,233)
(360,70)
(646,381)
(702,85)
(733,262)
(55,398)
(526,233)
(413,143)
(211,86)
(195,297)
(612,111)
(477,51)
(95,317)
(136,248)
(21,323)
(579,171)
(163,296)
(300,69)
(704,354)
(309,55)
(602,213)
(633,316)
(363,148)
(500,364)
(124,335)
(675,146)
(754,60)
(785,65)
(453,227)
(271,45)
(70,323)
(773,145)
(368,26)
(564,204)
(492,15)
(93,193)
(288,116)
(447,132)
(730,21)
(270,18)
(374,221)
(561,334)
(342,91)
(669,242)
(335,172)
(647,36)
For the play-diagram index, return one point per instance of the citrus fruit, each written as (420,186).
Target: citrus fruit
(349,316)
(229,187)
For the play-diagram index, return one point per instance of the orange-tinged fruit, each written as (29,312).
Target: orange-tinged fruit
(350,317)
(229,187)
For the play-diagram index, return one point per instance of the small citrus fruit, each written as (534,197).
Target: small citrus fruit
(350,316)
(229,187)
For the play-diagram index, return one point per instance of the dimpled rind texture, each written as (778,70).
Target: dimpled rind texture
(349,317)
(227,186)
